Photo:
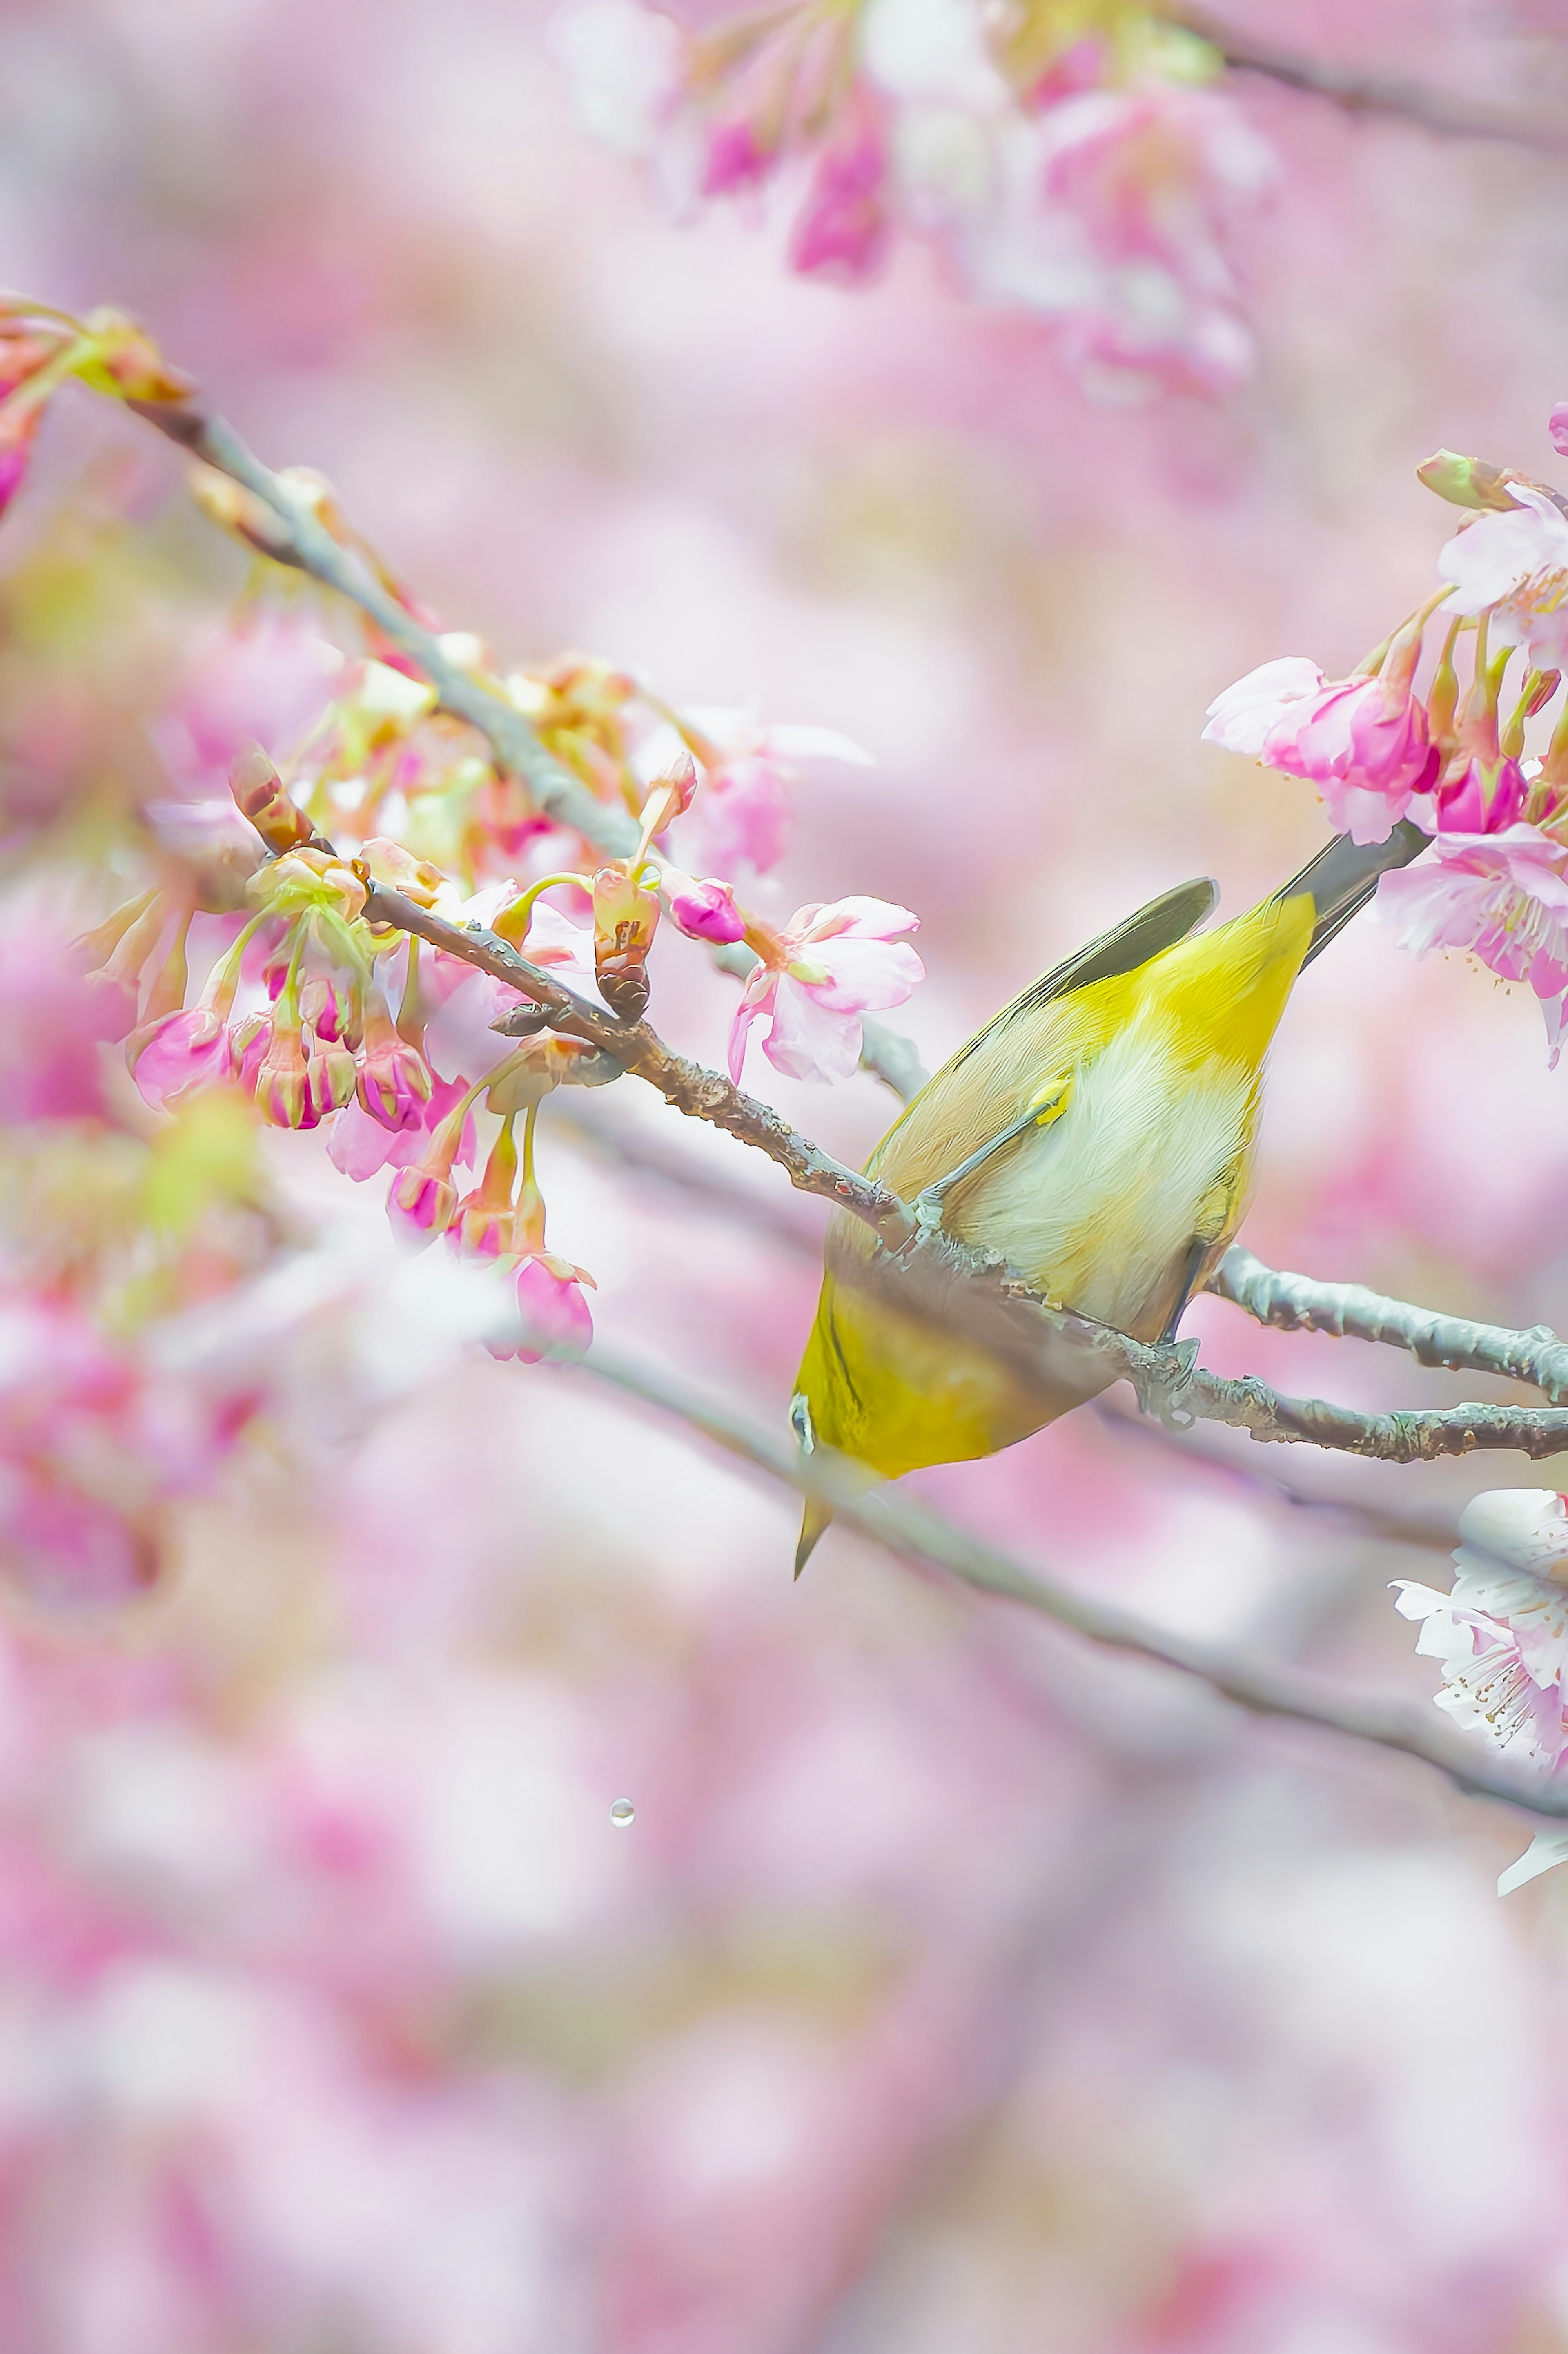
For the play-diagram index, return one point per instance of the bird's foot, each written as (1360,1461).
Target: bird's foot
(1163,1380)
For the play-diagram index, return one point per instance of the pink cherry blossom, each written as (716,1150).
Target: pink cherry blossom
(1557,427)
(1243,717)
(555,1318)
(830,965)
(1156,181)
(55,1017)
(1514,567)
(266,680)
(739,821)
(1363,742)
(1504,896)
(92,1441)
(182,1052)
(845,229)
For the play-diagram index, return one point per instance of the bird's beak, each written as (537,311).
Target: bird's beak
(813,1520)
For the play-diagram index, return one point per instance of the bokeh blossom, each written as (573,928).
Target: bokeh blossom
(1064,161)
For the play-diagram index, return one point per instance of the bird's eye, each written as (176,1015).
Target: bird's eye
(800,1422)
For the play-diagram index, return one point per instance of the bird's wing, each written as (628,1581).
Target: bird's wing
(1127,944)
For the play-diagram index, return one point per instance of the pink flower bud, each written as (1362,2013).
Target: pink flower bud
(330,1078)
(556,1321)
(421,1202)
(1478,796)
(182,1052)
(706,911)
(394,1082)
(283,1096)
(1557,425)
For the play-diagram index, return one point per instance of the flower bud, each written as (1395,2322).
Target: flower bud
(180,1052)
(1467,482)
(422,1202)
(624,917)
(283,1096)
(128,362)
(670,794)
(258,789)
(394,1078)
(705,911)
(330,1078)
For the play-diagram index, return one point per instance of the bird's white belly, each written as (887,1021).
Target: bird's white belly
(1099,1207)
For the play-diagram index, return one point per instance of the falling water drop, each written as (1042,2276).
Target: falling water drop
(621,1813)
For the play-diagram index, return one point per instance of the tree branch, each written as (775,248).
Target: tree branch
(301,540)
(918,1535)
(926,1273)
(1295,1303)
(1359,92)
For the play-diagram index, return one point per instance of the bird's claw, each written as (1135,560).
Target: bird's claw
(1161,1385)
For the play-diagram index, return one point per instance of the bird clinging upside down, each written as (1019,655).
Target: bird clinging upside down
(1098,1134)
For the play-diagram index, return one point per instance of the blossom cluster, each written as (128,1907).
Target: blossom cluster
(302,776)
(1454,757)
(1067,158)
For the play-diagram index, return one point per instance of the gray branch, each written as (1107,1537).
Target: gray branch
(918,1535)
(1297,1303)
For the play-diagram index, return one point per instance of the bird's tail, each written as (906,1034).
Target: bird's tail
(1342,878)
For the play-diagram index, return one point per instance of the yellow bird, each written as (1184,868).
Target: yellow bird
(1099,1134)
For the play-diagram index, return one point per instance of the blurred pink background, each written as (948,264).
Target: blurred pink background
(953,1991)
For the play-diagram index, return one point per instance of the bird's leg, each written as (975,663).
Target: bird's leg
(1213,1216)
(1046,1107)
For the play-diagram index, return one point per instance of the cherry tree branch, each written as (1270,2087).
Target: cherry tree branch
(917,1534)
(1359,92)
(927,1274)
(292,534)
(1295,1302)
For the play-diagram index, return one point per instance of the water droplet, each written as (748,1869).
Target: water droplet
(622,1812)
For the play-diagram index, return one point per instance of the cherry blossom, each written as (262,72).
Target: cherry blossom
(1066,165)
(93,1442)
(828,966)
(556,1321)
(1513,568)
(1364,742)
(738,823)
(1503,896)
(1502,1634)
(1155,183)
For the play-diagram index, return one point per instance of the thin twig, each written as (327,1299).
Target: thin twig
(920,1536)
(1359,92)
(303,540)
(1297,1302)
